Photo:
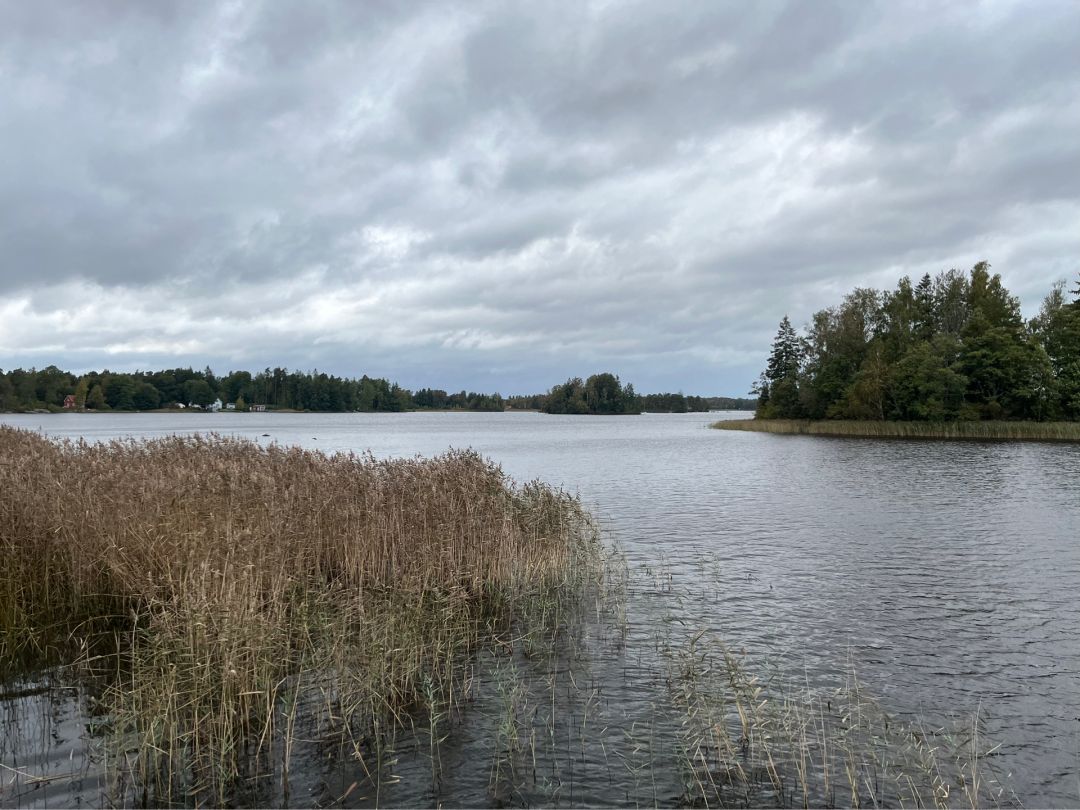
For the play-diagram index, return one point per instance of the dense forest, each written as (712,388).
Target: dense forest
(731,403)
(951,347)
(650,403)
(674,403)
(604,394)
(280,389)
(47,389)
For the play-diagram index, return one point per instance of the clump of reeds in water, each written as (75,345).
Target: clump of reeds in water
(749,742)
(231,588)
(984,431)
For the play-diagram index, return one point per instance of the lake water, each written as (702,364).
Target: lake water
(945,574)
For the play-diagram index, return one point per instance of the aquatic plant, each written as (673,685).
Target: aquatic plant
(233,590)
(751,741)
(984,430)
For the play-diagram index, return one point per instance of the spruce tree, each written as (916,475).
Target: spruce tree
(786,353)
(782,373)
(924,306)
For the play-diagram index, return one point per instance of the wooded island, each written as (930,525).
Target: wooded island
(950,350)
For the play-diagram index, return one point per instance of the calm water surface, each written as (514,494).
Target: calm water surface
(946,574)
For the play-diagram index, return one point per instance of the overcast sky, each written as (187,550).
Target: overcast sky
(497,196)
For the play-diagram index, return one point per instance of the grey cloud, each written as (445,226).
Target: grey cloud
(497,195)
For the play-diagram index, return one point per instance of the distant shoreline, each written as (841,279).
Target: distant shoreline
(90,411)
(61,412)
(973,431)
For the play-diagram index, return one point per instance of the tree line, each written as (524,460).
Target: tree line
(954,346)
(604,393)
(48,388)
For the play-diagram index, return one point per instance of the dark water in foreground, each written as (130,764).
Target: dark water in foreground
(945,574)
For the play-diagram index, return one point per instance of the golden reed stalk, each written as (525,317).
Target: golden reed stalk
(226,581)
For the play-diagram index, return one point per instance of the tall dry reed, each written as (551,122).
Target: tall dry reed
(230,587)
(985,431)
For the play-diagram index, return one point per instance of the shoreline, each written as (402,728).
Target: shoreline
(945,431)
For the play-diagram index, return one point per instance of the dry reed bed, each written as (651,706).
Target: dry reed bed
(228,584)
(985,431)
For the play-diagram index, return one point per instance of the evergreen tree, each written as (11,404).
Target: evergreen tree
(781,376)
(786,354)
(924,308)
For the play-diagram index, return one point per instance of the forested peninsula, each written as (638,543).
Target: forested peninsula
(950,356)
(52,390)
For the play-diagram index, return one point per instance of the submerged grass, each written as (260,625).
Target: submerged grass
(749,742)
(230,588)
(985,431)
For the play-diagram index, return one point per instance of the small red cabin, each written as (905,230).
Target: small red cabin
(69,401)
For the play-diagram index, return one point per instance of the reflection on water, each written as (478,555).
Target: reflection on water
(49,754)
(944,574)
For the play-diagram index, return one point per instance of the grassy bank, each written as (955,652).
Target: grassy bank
(986,431)
(231,589)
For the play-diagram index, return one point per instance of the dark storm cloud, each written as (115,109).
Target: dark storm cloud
(500,195)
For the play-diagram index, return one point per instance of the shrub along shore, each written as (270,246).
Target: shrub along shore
(226,588)
(985,431)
